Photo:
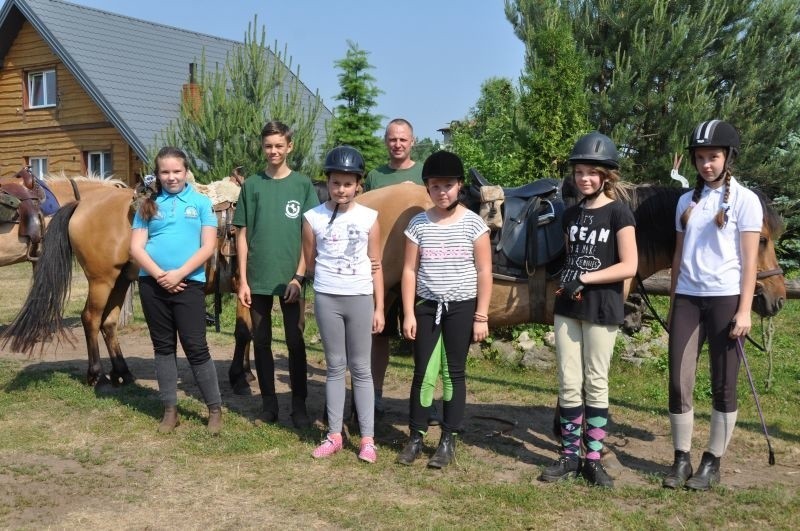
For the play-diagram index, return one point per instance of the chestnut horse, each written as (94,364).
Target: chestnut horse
(96,230)
(654,209)
(13,248)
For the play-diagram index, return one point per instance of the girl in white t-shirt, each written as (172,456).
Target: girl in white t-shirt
(341,239)
(718,226)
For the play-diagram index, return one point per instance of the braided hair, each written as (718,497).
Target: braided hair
(721,217)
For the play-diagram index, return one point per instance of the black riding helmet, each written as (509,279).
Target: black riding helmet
(595,148)
(443,164)
(344,159)
(715,133)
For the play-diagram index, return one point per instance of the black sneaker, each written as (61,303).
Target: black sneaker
(562,468)
(595,473)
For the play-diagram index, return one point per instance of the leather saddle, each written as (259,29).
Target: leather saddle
(530,234)
(226,249)
(21,200)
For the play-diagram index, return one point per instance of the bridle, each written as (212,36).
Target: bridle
(760,275)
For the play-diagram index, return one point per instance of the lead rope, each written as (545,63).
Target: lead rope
(765,338)
(767,333)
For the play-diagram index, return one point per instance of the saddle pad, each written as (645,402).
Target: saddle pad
(50,203)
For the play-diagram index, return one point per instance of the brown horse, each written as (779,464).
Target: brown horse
(96,229)
(13,248)
(654,209)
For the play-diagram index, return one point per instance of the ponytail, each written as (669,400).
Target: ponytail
(148,207)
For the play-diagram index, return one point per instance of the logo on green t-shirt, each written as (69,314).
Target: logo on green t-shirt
(292,209)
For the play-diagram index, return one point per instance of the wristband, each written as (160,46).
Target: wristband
(300,279)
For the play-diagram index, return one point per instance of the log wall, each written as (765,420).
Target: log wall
(62,133)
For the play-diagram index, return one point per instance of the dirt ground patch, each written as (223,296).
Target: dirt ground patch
(514,439)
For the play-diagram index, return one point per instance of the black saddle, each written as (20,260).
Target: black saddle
(531,234)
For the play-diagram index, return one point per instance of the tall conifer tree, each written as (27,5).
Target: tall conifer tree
(221,127)
(353,122)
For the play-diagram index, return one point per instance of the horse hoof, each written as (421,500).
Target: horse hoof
(104,384)
(120,379)
(242,388)
(250,377)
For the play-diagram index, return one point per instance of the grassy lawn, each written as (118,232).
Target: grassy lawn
(70,457)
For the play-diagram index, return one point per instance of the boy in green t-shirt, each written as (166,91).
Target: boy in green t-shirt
(269,218)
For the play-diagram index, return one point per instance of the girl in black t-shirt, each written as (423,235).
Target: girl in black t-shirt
(601,254)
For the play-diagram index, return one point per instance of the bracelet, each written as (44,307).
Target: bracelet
(300,279)
(480,318)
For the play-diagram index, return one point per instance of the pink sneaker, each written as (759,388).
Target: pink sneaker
(368,451)
(331,445)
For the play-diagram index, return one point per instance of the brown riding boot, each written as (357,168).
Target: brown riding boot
(214,419)
(170,419)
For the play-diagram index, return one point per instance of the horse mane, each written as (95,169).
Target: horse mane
(61,176)
(771,217)
(653,207)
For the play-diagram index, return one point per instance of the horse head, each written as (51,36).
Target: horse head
(770,293)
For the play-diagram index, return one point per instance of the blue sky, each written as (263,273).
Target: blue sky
(430,57)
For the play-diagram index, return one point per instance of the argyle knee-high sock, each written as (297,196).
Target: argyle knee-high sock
(571,424)
(596,421)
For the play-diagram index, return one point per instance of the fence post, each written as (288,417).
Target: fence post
(126,313)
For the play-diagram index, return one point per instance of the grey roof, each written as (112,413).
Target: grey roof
(133,69)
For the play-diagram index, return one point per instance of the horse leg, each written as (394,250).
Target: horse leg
(120,374)
(92,317)
(239,373)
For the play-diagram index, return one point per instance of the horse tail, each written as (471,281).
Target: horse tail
(41,315)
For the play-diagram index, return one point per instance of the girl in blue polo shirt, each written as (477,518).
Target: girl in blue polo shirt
(174,233)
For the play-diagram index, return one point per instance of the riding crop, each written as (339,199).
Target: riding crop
(740,351)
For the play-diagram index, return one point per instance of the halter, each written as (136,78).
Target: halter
(768,273)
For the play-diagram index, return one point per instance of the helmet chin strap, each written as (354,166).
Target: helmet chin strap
(596,193)
(336,210)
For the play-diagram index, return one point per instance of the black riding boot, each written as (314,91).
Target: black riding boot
(707,474)
(680,471)
(411,450)
(446,451)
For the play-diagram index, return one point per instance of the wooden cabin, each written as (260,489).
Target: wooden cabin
(80,102)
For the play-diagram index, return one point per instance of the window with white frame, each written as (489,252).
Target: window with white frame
(99,163)
(38,166)
(42,89)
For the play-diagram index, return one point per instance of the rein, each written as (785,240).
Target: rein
(764,274)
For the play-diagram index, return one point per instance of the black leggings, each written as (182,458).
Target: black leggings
(171,316)
(695,320)
(448,359)
(261,315)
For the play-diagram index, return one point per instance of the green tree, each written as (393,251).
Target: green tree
(658,67)
(553,106)
(353,122)
(423,148)
(485,140)
(221,127)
